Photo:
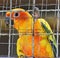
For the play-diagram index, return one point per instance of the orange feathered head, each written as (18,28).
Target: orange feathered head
(19,16)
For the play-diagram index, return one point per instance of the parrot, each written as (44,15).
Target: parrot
(33,40)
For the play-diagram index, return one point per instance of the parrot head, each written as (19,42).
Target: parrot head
(17,17)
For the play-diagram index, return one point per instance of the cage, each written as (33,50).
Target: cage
(49,10)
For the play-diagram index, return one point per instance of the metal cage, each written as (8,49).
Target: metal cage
(49,10)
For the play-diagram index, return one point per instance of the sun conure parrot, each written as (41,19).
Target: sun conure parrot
(33,40)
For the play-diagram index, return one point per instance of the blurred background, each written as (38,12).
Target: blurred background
(49,10)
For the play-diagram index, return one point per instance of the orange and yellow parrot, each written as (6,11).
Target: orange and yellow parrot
(33,40)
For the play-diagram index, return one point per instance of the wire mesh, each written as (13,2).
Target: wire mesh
(49,10)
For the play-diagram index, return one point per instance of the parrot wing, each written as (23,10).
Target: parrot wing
(51,37)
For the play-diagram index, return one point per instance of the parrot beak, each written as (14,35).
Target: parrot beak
(9,21)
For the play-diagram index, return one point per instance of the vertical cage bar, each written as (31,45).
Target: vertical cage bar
(33,31)
(46,8)
(0,28)
(42,7)
(3,6)
(55,7)
(57,29)
(9,51)
(12,43)
(19,3)
(16,4)
(7,5)
(29,5)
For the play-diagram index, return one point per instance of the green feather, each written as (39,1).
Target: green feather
(53,41)
(46,29)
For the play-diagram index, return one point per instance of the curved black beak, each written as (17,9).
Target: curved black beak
(7,20)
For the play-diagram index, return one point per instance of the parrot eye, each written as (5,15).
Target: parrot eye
(16,14)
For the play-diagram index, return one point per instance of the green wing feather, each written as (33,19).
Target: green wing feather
(51,37)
